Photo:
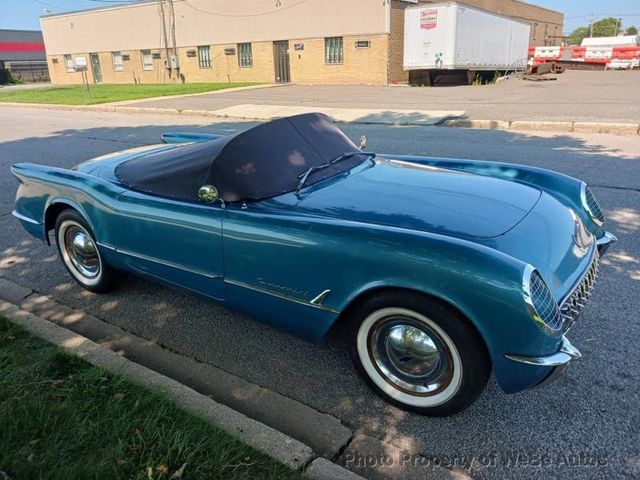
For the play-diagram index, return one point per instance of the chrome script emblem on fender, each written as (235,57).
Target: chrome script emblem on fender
(282,288)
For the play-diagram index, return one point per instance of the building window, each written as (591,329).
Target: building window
(147,60)
(535,31)
(245,55)
(118,66)
(333,50)
(546,33)
(68,63)
(204,57)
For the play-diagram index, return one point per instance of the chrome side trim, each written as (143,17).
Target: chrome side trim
(106,245)
(168,264)
(19,216)
(566,354)
(319,300)
(281,295)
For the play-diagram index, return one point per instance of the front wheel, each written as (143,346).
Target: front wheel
(79,253)
(419,353)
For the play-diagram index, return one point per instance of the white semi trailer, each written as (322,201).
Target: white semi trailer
(451,36)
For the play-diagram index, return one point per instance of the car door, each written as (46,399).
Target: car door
(174,241)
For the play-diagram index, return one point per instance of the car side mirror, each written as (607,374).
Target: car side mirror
(208,194)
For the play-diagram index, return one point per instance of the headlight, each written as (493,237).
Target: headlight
(543,308)
(590,204)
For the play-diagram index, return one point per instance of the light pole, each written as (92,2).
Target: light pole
(618,25)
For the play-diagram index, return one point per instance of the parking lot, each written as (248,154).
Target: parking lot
(593,410)
(606,96)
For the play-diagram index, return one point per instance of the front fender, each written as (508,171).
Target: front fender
(306,256)
(486,287)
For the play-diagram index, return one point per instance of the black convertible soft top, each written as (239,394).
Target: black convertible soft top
(259,163)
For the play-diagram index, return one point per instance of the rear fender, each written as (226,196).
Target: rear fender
(41,188)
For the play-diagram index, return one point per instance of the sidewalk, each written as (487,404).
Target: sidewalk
(275,444)
(293,433)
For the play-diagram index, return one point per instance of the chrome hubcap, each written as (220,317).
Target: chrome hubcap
(410,355)
(82,251)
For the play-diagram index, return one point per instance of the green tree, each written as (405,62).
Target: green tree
(575,38)
(607,27)
(632,30)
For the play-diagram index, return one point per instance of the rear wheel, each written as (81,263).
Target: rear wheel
(79,253)
(419,353)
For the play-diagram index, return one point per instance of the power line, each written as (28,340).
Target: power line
(112,1)
(604,15)
(66,9)
(45,4)
(218,14)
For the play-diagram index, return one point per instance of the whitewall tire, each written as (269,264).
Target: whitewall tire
(79,252)
(419,353)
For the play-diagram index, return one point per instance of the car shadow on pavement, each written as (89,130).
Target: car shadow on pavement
(591,408)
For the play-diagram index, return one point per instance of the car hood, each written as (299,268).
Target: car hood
(408,195)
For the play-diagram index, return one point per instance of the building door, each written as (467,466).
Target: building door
(281,60)
(95,68)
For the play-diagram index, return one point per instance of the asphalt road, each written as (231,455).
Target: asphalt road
(575,96)
(593,410)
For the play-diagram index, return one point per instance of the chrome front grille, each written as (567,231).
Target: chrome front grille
(573,305)
(544,303)
(593,205)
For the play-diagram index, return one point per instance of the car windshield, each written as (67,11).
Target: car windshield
(303,178)
(271,159)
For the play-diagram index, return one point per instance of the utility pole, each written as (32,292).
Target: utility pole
(591,25)
(172,13)
(618,25)
(164,36)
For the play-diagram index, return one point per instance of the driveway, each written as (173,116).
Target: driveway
(593,410)
(612,96)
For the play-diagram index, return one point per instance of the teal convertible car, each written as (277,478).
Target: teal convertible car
(442,270)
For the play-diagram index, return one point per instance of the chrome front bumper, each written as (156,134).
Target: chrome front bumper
(558,361)
(605,242)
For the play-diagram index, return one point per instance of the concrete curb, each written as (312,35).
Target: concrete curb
(325,434)
(507,125)
(336,452)
(323,469)
(547,126)
(277,445)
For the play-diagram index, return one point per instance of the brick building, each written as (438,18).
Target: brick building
(301,41)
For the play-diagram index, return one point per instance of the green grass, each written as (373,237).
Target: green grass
(62,418)
(109,93)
